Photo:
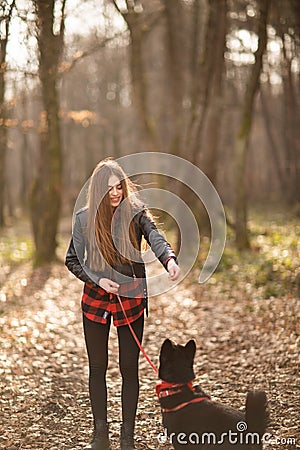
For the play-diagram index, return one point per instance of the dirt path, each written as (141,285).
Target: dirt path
(242,344)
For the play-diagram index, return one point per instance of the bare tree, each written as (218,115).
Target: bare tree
(139,25)
(6,11)
(243,135)
(160,83)
(291,119)
(203,76)
(216,103)
(274,146)
(176,58)
(45,202)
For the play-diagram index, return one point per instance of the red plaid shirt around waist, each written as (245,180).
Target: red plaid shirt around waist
(97,304)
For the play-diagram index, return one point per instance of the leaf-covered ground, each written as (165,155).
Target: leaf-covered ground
(245,323)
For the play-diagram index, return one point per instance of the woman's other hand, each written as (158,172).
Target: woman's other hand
(109,286)
(173,269)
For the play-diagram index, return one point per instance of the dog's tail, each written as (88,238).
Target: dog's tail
(256,417)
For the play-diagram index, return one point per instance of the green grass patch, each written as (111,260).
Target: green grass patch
(271,268)
(15,249)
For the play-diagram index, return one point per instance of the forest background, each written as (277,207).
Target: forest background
(215,82)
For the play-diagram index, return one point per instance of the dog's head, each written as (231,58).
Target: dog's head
(176,362)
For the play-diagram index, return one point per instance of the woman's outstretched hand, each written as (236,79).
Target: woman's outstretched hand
(109,286)
(173,269)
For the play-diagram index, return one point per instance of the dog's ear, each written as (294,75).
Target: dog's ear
(166,348)
(167,345)
(191,349)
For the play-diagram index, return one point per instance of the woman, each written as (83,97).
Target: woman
(104,252)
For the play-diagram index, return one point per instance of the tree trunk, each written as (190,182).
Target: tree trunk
(214,121)
(3,148)
(45,199)
(138,27)
(273,145)
(24,174)
(242,139)
(203,82)
(291,128)
(207,98)
(175,69)
(5,20)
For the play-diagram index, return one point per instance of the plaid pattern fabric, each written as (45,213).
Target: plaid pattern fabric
(97,304)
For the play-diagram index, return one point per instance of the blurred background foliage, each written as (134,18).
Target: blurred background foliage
(213,81)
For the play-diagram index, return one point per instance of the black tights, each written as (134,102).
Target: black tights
(96,338)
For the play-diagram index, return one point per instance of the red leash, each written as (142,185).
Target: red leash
(165,389)
(136,338)
(182,405)
(163,384)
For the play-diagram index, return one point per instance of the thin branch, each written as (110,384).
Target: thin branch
(23,72)
(62,22)
(4,41)
(151,22)
(146,22)
(66,67)
(118,8)
(130,5)
(7,19)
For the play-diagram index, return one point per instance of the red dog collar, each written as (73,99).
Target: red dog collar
(165,389)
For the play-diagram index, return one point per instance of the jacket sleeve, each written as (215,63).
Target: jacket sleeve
(160,247)
(75,256)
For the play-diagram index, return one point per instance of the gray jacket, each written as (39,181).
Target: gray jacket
(77,258)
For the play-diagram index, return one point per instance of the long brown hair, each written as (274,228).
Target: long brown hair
(103,252)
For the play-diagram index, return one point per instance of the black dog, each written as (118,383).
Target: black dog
(192,420)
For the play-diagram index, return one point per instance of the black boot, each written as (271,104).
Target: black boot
(100,438)
(127,440)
